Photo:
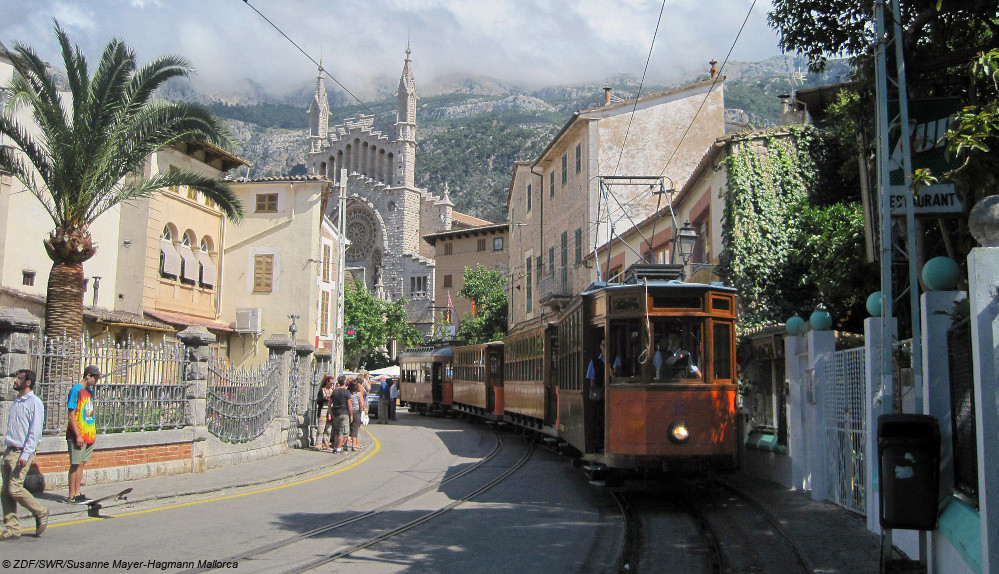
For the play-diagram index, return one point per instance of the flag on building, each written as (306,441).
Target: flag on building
(450,307)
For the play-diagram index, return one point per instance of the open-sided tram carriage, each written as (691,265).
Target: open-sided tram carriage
(425,375)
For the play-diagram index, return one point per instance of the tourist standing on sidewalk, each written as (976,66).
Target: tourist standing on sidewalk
(356,390)
(24,430)
(384,396)
(394,396)
(340,410)
(81,431)
(322,410)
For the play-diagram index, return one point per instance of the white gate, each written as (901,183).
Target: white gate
(846,413)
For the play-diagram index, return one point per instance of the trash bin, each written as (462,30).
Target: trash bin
(909,460)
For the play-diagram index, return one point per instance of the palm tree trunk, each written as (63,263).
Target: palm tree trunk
(64,300)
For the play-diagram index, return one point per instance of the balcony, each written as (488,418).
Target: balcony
(556,291)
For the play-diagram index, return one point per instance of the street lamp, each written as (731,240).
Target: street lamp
(683,242)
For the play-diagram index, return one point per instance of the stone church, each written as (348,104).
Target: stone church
(387,215)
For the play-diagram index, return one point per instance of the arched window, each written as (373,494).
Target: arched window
(170,261)
(190,267)
(208,272)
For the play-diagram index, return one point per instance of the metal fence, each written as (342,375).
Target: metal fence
(845,409)
(240,402)
(962,404)
(141,387)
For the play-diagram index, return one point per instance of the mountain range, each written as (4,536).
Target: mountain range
(471,129)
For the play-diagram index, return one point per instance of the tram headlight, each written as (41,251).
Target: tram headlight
(678,433)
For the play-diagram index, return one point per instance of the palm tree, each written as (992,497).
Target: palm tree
(90,148)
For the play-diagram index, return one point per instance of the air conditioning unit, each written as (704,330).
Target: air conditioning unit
(248,320)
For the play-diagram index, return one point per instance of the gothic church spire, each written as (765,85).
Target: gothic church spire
(319,110)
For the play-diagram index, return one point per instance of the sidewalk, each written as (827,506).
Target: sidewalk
(828,537)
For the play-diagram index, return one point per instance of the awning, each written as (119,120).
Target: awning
(183,321)
(171,259)
(191,264)
(208,271)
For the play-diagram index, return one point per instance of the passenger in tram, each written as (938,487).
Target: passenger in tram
(595,373)
(678,361)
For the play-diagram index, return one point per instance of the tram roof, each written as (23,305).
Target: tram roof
(673,284)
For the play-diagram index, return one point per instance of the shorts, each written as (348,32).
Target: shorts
(341,424)
(355,427)
(79,455)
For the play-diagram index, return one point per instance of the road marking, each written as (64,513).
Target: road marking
(378,447)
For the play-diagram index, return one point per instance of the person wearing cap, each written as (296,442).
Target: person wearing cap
(24,430)
(81,431)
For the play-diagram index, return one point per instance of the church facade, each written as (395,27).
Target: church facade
(386,214)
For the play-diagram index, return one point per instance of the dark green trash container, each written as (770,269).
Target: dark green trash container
(909,461)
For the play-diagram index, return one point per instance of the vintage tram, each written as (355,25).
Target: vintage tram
(425,378)
(626,377)
(646,376)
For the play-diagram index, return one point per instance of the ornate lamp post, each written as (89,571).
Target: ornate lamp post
(683,242)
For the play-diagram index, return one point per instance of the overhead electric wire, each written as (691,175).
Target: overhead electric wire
(711,89)
(320,66)
(640,85)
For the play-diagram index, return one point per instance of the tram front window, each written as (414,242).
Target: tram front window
(677,344)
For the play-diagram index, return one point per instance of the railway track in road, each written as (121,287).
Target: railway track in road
(701,526)
(260,552)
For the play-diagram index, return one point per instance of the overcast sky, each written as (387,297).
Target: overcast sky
(522,42)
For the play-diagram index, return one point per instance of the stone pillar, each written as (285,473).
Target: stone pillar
(16,328)
(797,447)
(300,420)
(197,343)
(983,290)
(282,349)
(821,354)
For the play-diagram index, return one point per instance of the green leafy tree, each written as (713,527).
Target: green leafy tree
(376,322)
(487,291)
(88,154)
(936,34)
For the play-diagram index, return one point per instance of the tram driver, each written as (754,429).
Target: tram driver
(679,362)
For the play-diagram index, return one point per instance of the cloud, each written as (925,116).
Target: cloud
(522,42)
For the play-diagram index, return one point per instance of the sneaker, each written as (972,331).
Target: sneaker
(79,499)
(9,535)
(41,523)
(338,450)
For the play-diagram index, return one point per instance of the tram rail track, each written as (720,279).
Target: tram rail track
(265,549)
(726,531)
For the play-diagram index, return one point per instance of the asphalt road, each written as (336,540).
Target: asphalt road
(543,517)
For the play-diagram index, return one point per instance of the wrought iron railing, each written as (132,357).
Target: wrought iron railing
(240,402)
(558,285)
(141,386)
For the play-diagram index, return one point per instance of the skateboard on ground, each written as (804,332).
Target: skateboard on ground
(94,506)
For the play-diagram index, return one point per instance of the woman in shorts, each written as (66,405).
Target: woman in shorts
(355,419)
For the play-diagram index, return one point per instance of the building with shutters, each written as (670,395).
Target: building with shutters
(282,260)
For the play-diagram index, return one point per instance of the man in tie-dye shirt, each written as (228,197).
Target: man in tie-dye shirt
(81,432)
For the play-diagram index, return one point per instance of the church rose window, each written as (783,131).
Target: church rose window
(361,230)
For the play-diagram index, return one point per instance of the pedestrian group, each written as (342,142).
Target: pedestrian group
(342,408)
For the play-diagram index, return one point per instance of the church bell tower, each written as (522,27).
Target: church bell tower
(405,126)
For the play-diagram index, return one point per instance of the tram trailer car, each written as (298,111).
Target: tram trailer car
(530,396)
(425,375)
(478,380)
(662,387)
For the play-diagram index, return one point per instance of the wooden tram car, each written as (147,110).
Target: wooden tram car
(666,396)
(629,376)
(478,380)
(425,378)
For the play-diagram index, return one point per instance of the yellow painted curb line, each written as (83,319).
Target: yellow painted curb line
(378,447)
